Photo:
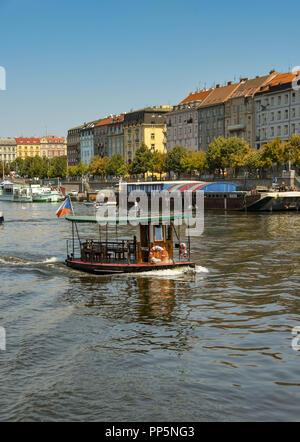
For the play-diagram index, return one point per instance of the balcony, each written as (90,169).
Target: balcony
(236,127)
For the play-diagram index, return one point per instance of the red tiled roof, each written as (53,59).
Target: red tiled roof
(118,119)
(249,87)
(104,121)
(22,140)
(280,79)
(197,96)
(53,139)
(220,94)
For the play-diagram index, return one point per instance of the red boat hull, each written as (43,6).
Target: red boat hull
(112,269)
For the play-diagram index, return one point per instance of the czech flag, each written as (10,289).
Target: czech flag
(65,208)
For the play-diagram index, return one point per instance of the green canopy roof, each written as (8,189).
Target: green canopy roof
(124,220)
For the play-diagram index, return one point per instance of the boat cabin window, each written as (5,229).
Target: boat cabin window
(158,233)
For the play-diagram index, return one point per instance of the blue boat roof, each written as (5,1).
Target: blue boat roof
(182,186)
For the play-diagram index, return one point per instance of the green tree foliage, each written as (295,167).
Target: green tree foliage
(193,161)
(226,153)
(40,167)
(236,150)
(17,165)
(72,171)
(174,159)
(142,161)
(215,158)
(116,165)
(82,169)
(98,165)
(58,167)
(273,153)
(158,162)
(6,169)
(253,160)
(292,150)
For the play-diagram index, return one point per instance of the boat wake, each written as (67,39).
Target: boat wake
(177,272)
(14,261)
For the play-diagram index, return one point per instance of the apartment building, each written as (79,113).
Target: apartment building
(147,126)
(211,114)
(8,150)
(53,146)
(73,146)
(115,136)
(239,108)
(101,136)
(87,142)
(182,121)
(277,110)
(28,147)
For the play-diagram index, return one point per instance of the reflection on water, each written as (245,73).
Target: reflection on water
(213,344)
(157,298)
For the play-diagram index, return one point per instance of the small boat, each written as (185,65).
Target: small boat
(152,248)
(1,218)
(22,195)
(7,191)
(45,195)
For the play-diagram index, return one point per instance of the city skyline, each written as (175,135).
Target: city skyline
(71,62)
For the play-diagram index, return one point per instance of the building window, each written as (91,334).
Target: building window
(152,136)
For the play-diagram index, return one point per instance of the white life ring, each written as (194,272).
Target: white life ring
(183,250)
(157,249)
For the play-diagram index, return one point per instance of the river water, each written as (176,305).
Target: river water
(213,345)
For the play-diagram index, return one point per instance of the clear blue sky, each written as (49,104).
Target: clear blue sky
(71,61)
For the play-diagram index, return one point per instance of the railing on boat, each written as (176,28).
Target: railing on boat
(87,250)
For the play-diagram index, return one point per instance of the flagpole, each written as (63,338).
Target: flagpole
(71,204)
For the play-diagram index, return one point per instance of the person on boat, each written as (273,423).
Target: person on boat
(137,207)
(283,187)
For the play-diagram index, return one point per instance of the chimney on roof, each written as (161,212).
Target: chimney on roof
(218,85)
(229,83)
(272,71)
(244,79)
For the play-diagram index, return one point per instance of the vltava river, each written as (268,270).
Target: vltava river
(169,346)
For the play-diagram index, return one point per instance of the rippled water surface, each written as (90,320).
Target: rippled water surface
(165,346)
